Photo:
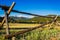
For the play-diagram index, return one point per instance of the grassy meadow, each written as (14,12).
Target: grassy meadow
(21,25)
(38,34)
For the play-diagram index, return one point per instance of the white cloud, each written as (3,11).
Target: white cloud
(24,16)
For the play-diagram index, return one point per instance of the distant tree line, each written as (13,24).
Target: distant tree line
(13,19)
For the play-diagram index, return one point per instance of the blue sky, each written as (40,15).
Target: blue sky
(40,7)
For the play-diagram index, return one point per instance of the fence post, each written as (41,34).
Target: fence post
(6,18)
(7,25)
(53,21)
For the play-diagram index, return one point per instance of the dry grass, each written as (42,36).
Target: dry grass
(18,25)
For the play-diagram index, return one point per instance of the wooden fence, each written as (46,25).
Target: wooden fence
(7,11)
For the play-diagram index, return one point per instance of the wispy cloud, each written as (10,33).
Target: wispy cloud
(27,16)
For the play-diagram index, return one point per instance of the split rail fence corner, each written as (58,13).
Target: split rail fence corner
(7,11)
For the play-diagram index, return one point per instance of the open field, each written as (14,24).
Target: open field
(44,34)
(19,25)
(38,34)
